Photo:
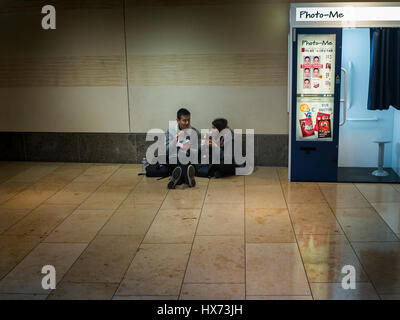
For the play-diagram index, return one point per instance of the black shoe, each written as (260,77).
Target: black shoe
(190,176)
(175,178)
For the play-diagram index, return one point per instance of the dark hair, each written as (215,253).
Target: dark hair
(307,80)
(316,69)
(182,112)
(306,69)
(220,124)
(306,57)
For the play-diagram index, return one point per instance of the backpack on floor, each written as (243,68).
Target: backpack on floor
(157,170)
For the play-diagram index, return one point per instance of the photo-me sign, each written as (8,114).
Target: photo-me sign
(348,14)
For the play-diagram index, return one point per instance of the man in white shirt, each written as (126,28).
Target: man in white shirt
(182,137)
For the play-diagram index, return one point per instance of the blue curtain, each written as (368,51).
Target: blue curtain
(384,78)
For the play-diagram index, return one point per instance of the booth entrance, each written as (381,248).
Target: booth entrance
(333,136)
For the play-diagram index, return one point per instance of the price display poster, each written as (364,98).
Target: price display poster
(314,139)
(315,87)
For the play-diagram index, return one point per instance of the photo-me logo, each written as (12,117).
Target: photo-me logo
(348,13)
(321,15)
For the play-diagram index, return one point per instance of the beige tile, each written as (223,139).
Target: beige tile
(231,181)
(26,277)
(381,262)
(80,226)
(283,173)
(42,220)
(264,196)
(80,165)
(201,181)
(62,174)
(396,186)
(83,291)
(390,212)
(11,188)
(131,220)
(216,259)
(8,217)
(173,226)
(188,198)
(106,197)
(13,249)
(33,196)
(225,193)
(9,171)
(379,192)
(105,260)
(313,219)
(364,225)
(74,193)
(390,296)
(146,193)
(19,296)
(221,219)
(324,256)
(145,297)
(157,269)
(125,177)
(302,193)
(34,173)
(344,195)
(279,298)
(275,269)
(211,291)
(334,291)
(263,176)
(268,225)
(97,173)
(137,166)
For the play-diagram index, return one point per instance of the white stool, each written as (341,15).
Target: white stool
(380,172)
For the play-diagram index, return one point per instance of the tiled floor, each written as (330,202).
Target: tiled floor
(112,234)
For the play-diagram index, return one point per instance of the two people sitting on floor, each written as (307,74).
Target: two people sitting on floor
(180,137)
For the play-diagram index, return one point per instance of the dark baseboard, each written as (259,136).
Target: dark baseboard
(270,149)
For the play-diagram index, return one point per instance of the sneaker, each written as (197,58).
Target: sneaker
(190,176)
(175,178)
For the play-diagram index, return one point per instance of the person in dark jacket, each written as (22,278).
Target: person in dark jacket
(224,168)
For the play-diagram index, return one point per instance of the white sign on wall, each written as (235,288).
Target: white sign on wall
(348,14)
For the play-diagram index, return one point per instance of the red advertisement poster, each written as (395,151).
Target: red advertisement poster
(324,128)
(321,116)
(306,126)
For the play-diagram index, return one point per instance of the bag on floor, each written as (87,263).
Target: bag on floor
(204,170)
(157,170)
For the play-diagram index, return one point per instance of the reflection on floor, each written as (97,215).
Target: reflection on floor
(356,174)
(112,234)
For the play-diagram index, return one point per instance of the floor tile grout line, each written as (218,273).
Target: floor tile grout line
(347,238)
(377,212)
(297,241)
(141,242)
(64,204)
(88,243)
(50,204)
(32,183)
(45,235)
(194,237)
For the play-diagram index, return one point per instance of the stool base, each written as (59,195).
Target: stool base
(380,173)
